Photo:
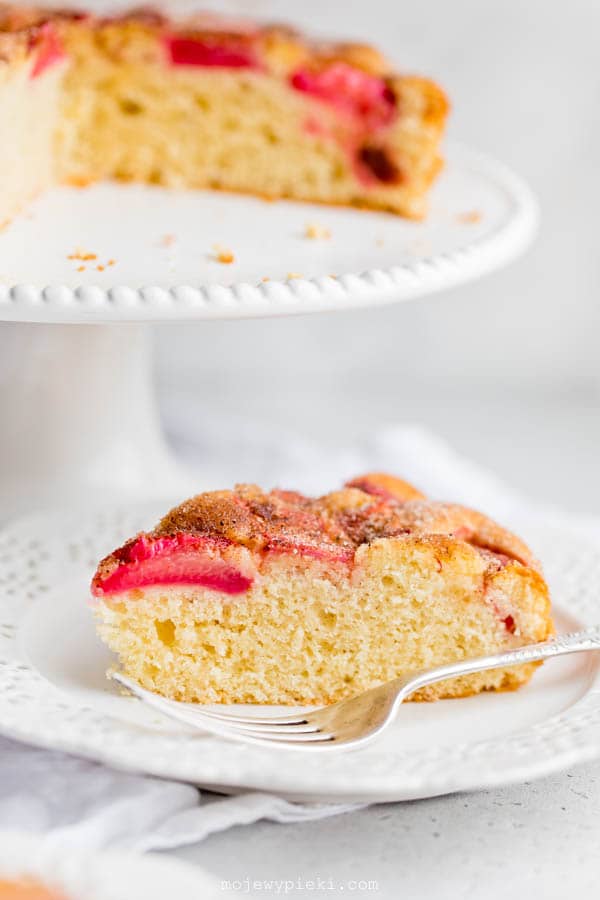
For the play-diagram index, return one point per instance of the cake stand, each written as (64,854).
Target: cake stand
(89,269)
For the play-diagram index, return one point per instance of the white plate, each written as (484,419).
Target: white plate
(164,267)
(93,875)
(53,692)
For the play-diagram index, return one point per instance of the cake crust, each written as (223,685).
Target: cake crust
(282,47)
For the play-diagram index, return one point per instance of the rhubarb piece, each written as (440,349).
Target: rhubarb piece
(191,51)
(378,164)
(182,558)
(351,91)
(49,49)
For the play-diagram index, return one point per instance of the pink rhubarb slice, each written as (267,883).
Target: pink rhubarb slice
(351,91)
(189,51)
(49,49)
(184,559)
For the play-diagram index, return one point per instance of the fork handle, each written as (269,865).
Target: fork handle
(575,642)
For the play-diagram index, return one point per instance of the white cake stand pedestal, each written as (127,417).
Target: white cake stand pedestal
(91,267)
(80,418)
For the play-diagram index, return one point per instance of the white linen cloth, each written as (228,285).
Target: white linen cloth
(76,802)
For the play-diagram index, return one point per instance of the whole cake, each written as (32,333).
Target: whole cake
(245,596)
(209,103)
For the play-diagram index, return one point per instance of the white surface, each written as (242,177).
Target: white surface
(490,739)
(371,258)
(84,875)
(537,839)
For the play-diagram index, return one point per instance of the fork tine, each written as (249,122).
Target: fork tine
(198,718)
(280,736)
(224,715)
(265,734)
(182,713)
(298,740)
(266,727)
(235,719)
(305,737)
(269,728)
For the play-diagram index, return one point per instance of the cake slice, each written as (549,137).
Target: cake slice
(210,102)
(245,596)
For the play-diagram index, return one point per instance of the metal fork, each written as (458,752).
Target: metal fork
(354,722)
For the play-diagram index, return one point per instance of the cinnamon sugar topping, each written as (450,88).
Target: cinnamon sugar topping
(329,528)
(371,507)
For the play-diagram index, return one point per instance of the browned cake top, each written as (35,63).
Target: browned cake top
(329,528)
(383,506)
(25,20)
(277,48)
